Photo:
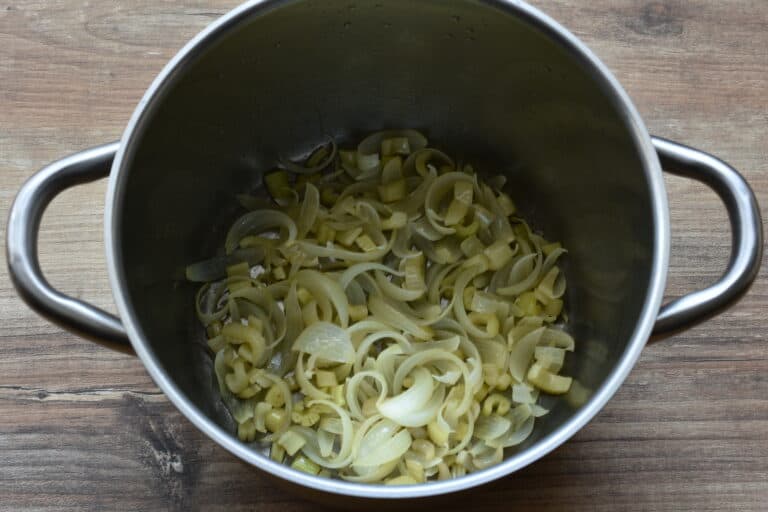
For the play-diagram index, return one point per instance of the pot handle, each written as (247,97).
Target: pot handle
(746,236)
(21,248)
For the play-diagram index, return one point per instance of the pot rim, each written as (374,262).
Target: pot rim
(543,446)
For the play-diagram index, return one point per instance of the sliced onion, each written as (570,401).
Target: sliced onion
(514,437)
(522,353)
(326,341)
(207,302)
(389,450)
(439,189)
(388,314)
(424,228)
(523,275)
(491,427)
(344,254)
(322,286)
(395,292)
(347,432)
(300,169)
(368,341)
(309,210)
(400,408)
(493,351)
(355,270)
(352,388)
(259,221)
(418,161)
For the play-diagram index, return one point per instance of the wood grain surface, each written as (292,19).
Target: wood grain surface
(83,428)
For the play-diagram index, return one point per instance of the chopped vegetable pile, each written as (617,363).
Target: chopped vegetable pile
(386,317)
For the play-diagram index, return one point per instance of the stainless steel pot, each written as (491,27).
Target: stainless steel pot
(496,79)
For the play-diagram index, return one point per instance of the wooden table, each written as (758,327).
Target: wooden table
(83,428)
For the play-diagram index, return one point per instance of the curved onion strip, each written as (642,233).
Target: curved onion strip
(402,407)
(390,315)
(361,187)
(423,314)
(448,344)
(441,187)
(377,474)
(312,450)
(293,320)
(387,362)
(347,432)
(352,391)
(521,267)
(263,298)
(366,212)
(416,417)
(424,228)
(386,451)
(394,292)
(493,352)
(326,341)
(325,441)
(491,427)
(372,338)
(558,338)
(259,221)
(418,161)
(434,283)
(425,357)
(474,363)
(300,169)
(522,353)
(465,440)
(401,246)
(522,421)
(309,211)
(415,200)
(551,259)
(367,326)
(344,254)
(211,294)
(500,277)
(487,456)
(320,285)
(355,270)
(355,294)
(458,305)
(380,431)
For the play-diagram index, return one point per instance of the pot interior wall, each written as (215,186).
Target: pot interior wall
(480,84)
